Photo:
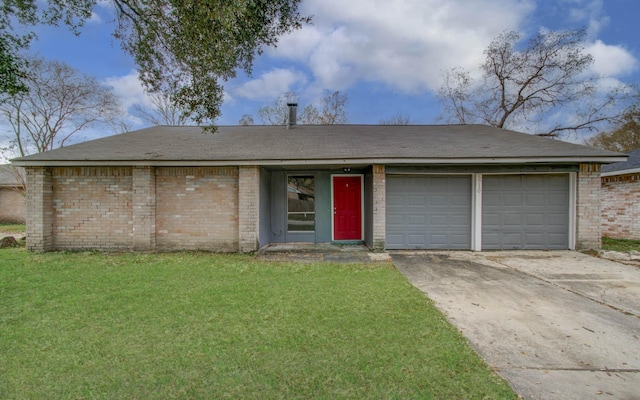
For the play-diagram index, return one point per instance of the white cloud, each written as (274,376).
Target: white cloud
(589,12)
(270,85)
(95,18)
(405,44)
(610,60)
(129,89)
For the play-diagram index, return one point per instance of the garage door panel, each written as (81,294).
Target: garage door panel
(525,211)
(393,200)
(417,200)
(557,199)
(417,239)
(511,199)
(512,239)
(395,220)
(511,219)
(416,220)
(537,219)
(461,200)
(441,220)
(438,200)
(556,220)
(491,219)
(460,221)
(534,200)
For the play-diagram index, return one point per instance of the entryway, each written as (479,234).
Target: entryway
(347,207)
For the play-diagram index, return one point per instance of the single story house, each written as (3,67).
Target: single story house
(469,187)
(13,203)
(621,198)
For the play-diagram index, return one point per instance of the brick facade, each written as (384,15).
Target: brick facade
(197,208)
(588,222)
(92,208)
(132,208)
(621,206)
(207,208)
(379,210)
(39,209)
(144,208)
(249,203)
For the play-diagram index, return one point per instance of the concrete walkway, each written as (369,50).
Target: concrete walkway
(555,325)
(321,252)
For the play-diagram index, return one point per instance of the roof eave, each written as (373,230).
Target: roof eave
(328,161)
(621,172)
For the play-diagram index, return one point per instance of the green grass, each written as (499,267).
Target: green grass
(623,245)
(190,325)
(12,228)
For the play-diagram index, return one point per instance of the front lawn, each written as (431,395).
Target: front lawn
(190,325)
(12,228)
(623,245)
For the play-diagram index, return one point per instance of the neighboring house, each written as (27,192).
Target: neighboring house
(13,204)
(244,187)
(621,198)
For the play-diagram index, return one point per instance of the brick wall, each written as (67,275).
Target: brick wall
(249,206)
(379,210)
(197,208)
(39,209)
(92,208)
(144,208)
(588,219)
(621,206)
(13,206)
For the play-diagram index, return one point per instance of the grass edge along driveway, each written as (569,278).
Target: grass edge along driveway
(198,325)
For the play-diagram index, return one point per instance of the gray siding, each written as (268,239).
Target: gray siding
(265,236)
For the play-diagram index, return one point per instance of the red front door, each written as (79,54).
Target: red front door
(347,208)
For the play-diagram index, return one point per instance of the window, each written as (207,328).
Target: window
(301,208)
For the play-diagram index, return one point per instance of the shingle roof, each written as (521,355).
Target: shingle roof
(318,144)
(8,175)
(633,162)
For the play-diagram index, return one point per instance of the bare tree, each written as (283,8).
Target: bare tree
(527,88)
(277,113)
(332,110)
(398,119)
(247,119)
(162,110)
(60,101)
(624,138)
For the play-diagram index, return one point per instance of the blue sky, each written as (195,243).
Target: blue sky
(386,55)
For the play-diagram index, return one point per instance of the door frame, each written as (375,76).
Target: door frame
(361,206)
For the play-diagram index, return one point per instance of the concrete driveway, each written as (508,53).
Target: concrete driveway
(555,325)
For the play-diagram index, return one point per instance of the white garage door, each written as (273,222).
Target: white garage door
(428,212)
(525,211)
